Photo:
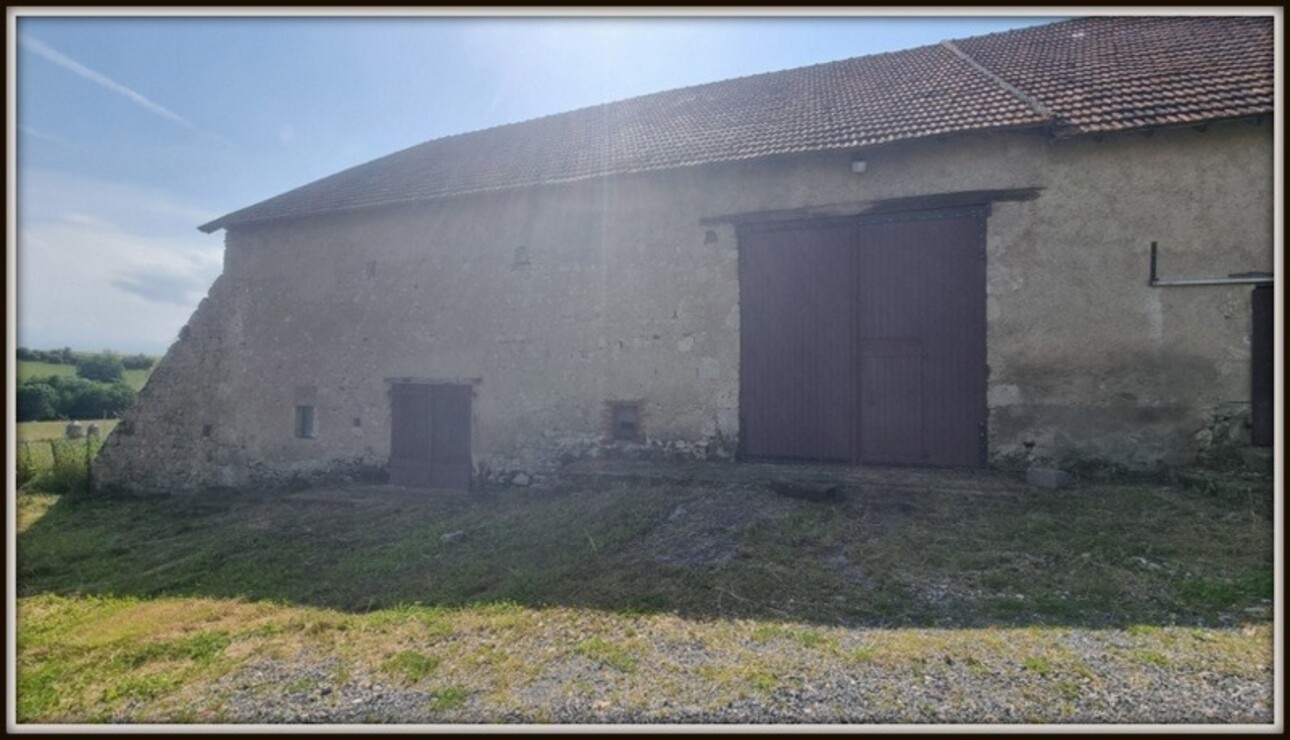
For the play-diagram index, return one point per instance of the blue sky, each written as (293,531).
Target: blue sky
(132,131)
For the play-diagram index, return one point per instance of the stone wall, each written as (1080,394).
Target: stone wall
(554,301)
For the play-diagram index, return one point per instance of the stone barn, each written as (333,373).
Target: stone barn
(1045,245)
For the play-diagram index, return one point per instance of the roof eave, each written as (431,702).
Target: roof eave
(231,219)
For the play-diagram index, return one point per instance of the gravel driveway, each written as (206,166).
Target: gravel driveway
(926,677)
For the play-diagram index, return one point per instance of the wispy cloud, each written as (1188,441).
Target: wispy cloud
(160,286)
(102,264)
(39,47)
(39,134)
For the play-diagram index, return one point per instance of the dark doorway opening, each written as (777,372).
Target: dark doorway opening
(1261,367)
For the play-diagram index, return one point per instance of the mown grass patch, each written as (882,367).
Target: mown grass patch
(149,600)
(1101,555)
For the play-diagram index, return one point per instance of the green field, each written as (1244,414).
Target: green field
(37,431)
(28,370)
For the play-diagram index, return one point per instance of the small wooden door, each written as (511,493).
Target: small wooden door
(430,435)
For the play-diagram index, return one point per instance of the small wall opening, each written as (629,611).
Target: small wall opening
(305,422)
(625,421)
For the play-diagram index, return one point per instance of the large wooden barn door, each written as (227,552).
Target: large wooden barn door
(430,435)
(863,339)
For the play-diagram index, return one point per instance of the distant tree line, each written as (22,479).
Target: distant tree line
(46,399)
(66,356)
(62,356)
(98,391)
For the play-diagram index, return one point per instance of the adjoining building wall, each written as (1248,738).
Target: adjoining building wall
(555,300)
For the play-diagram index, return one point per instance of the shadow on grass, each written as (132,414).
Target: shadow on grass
(1098,556)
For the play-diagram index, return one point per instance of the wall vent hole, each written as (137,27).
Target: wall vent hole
(626,422)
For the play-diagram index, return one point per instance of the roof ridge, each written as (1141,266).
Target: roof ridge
(1030,100)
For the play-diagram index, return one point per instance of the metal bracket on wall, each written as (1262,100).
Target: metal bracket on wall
(1241,278)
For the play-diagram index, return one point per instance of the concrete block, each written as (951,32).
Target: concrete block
(1048,478)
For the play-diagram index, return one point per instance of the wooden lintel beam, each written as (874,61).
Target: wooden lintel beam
(888,205)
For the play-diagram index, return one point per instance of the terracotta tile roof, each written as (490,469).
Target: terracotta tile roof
(1108,74)
(1090,74)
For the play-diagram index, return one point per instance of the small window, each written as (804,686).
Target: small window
(626,421)
(305,422)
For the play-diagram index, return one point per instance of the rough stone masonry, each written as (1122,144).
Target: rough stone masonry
(553,301)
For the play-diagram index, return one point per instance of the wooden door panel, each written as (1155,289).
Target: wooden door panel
(922,277)
(451,464)
(410,434)
(891,401)
(797,358)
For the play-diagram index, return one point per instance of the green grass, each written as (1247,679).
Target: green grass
(603,651)
(140,600)
(452,697)
(411,666)
(38,431)
(1037,664)
(1151,657)
(55,465)
(28,370)
(998,561)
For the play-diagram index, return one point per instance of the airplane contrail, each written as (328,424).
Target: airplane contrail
(103,80)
